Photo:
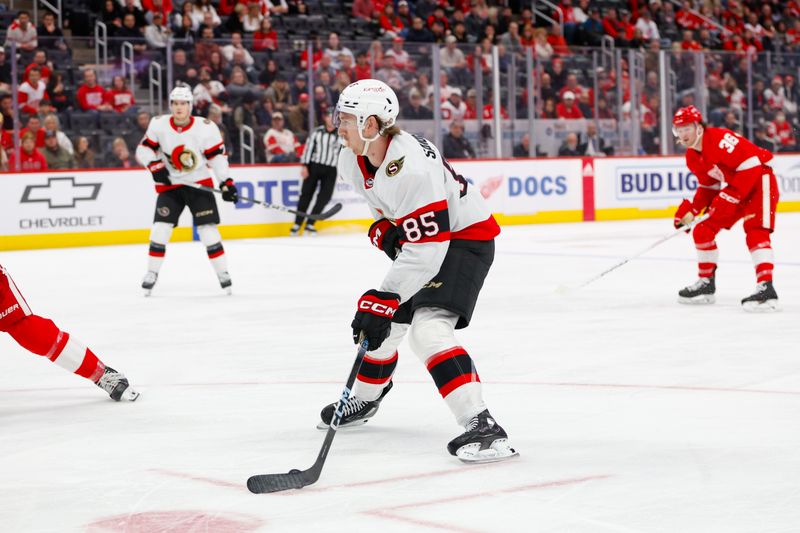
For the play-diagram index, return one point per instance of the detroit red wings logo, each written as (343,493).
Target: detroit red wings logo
(183,159)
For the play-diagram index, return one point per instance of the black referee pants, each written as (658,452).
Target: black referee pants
(325,177)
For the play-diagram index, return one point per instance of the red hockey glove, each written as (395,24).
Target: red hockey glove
(229,192)
(374,317)
(724,207)
(685,214)
(159,171)
(384,236)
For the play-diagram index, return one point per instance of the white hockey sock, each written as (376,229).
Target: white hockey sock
(159,237)
(212,240)
(432,338)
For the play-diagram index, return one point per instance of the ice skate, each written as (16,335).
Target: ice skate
(356,412)
(225,282)
(763,300)
(699,293)
(310,230)
(484,441)
(116,385)
(295,230)
(149,282)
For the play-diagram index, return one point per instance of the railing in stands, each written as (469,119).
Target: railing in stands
(245,147)
(128,63)
(100,43)
(55,8)
(606,51)
(540,13)
(155,87)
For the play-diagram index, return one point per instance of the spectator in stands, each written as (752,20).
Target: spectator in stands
(120,155)
(362,69)
(594,145)
(240,60)
(266,38)
(5,72)
(453,61)
(322,100)
(23,33)
(732,123)
(688,42)
(119,96)
(418,32)
(300,86)
(523,148)
(542,49)
(275,7)
(363,9)
(200,8)
(51,125)
(129,32)
(31,92)
(165,7)
(55,155)
(208,22)
(245,112)
(781,132)
(439,33)
(762,141)
(390,24)
(111,16)
(570,148)
(454,107)
(455,145)
(91,96)
(31,159)
(239,86)
(573,86)
(279,94)
(592,28)
(84,155)
(557,73)
(390,75)
(205,47)
(252,20)
(180,66)
(50,35)
(298,117)
(219,68)
(511,38)
(647,26)
(280,143)
(182,33)
(567,109)
(557,41)
(298,7)
(157,34)
(416,110)
(7,109)
(546,89)
(6,139)
(334,49)
(316,53)
(549,109)
(130,8)
(39,61)
(209,92)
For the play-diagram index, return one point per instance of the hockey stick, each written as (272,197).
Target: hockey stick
(322,216)
(562,289)
(297,479)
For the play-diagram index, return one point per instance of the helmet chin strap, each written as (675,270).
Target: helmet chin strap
(366,141)
(699,139)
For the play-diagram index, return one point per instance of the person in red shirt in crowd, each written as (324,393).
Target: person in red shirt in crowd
(688,42)
(557,41)
(793,35)
(572,86)
(34,127)
(316,54)
(439,16)
(488,107)
(782,133)
(91,96)
(363,9)
(31,159)
(720,156)
(362,69)
(686,19)
(567,109)
(390,23)
(40,62)
(161,6)
(31,92)
(120,97)
(266,38)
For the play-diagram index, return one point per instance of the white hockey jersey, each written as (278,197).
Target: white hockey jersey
(430,203)
(187,151)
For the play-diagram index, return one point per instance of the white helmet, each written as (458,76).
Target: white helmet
(366,98)
(181,93)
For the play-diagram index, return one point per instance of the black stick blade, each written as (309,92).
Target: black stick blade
(329,213)
(263,483)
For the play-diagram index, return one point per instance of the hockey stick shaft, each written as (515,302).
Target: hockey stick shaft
(660,241)
(297,479)
(321,216)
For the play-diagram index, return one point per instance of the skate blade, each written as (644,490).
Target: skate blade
(499,450)
(228,291)
(703,299)
(769,306)
(323,426)
(148,292)
(129,395)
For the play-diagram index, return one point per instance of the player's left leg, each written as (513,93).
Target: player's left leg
(759,223)
(204,209)
(702,291)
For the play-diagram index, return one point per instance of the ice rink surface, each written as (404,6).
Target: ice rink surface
(631,413)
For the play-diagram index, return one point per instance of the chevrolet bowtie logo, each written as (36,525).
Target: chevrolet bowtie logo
(60,192)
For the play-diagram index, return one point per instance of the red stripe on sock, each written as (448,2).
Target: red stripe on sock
(157,254)
(706,270)
(215,254)
(455,383)
(368,359)
(58,345)
(91,367)
(764,272)
(373,381)
(437,358)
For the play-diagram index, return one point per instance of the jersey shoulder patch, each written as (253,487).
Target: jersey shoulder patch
(395,166)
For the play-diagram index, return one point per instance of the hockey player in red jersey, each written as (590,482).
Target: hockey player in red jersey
(182,147)
(42,337)
(438,232)
(734,182)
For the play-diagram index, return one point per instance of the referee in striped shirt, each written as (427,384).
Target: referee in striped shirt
(320,156)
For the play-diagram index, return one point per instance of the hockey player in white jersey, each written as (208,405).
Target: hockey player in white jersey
(183,148)
(440,236)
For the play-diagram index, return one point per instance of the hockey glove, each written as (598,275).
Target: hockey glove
(685,214)
(724,207)
(159,171)
(229,192)
(374,317)
(384,236)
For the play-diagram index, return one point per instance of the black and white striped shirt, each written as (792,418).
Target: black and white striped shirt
(322,148)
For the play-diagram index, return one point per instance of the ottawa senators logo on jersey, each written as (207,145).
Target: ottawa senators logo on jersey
(395,166)
(183,159)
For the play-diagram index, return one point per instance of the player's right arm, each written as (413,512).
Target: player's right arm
(147,153)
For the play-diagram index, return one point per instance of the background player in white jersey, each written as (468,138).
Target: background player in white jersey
(182,148)
(440,236)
